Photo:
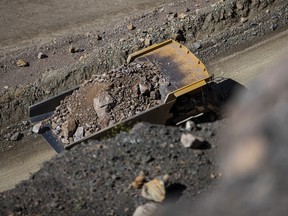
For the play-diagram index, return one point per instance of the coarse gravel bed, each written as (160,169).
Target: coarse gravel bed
(94,178)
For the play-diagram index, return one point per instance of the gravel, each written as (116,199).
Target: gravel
(95,178)
(108,99)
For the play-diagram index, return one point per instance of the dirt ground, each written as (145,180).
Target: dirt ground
(29,22)
(20,162)
(52,26)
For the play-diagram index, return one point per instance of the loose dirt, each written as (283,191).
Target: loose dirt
(20,162)
(108,99)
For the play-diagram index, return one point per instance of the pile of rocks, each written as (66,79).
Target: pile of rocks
(107,99)
(133,173)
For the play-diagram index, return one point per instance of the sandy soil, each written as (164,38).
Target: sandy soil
(30,21)
(19,163)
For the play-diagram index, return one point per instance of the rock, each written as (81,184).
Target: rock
(25,123)
(103,104)
(153,95)
(198,126)
(22,63)
(190,125)
(37,128)
(190,141)
(155,79)
(59,121)
(16,136)
(79,50)
(147,42)
(197,45)
(273,27)
(98,37)
(136,90)
(72,49)
(139,181)
(6,87)
(182,15)
(79,134)
(41,55)
(172,16)
(143,89)
(65,140)
(165,178)
(243,19)
(213,176)
(83,57)
(179,36)
(239,5)
(148,209)
(154,190)
(130,26)
(69,127)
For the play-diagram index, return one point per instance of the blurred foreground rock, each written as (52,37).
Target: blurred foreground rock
(255,166)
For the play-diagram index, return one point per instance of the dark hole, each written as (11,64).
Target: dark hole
(174,192)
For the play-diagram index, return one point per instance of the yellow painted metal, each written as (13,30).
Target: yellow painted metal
(189,88)
(186,89)
(147,50)
(185,71)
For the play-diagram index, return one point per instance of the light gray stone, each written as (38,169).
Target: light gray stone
(41,55)
(16,136)
(37,128)
(190,141)
(79,134)
(103,104)
(148,209)
(190,125)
